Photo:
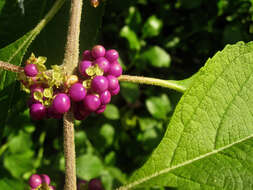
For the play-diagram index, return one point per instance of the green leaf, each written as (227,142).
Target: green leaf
(20,143)
(18,164)
(88,166)
(130,91)
(131,37)
(152,27)
(159,107)
(2,2)
(134,18)
(13,54)
(111,112)
(107,132)
(156,56)
(209,141)
(10,184)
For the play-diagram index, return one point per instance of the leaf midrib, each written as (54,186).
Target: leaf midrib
(166,170)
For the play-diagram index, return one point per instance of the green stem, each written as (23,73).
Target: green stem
(57,5)
(175,85)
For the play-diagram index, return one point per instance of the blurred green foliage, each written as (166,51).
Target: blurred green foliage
(156,38)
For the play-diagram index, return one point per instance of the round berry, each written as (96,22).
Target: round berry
(113,82)
(103,63)
(51,187)
(45,179)
(105,97)
(83,66)
(91,102)
(61,103)
(98,51)
(81,184)
(99,84)
(31,70)
(77,92)
(52,114)
(35,181)
(101,109)
(87,55)
(37,111)
(111,55)
(95,184)
(115,69)
(116,91)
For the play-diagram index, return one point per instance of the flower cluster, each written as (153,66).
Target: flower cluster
(53,92)
(42,181)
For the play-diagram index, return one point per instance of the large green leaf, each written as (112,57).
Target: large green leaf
(209,141)
(13,54)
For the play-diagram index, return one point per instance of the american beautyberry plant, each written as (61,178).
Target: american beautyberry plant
(204,143)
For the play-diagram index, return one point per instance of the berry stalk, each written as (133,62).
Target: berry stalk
(10,67)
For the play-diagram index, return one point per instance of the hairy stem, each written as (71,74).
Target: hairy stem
(175,85)
(10,67)
(69,64)
(72,46)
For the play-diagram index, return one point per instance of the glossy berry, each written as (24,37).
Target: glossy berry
(101,109)
(61,103)
(103,63)
(111,55)
(35,181)
(98,51)
(115,69)
(87,55)
(37,111)
(116,91)
(99,84)
(31,70)
(83,66)
(45,179)
(105,97)
(113,82)
(95,184)
(77,92)
(91,102)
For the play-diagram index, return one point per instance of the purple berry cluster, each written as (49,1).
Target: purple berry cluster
(93,184)
(53,93)
(41,181)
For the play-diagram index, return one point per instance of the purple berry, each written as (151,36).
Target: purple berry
(77,92)
(91,102)
(111,55)
(101,109)
(95,184)
(45,178)
(79,111)
(81,184)
(37,111)
(35,181)
(113,82)
(61,103)
(116,91)
(52,114)
(105,97)
(83,66)
(115,69)
(31,70)
(99,84)
(52,187)
(98,51)
(103,63)
(87,55)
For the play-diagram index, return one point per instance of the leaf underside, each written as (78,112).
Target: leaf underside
(209,141)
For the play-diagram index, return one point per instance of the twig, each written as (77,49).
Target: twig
(10,67)
(69,64)
(175,85)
